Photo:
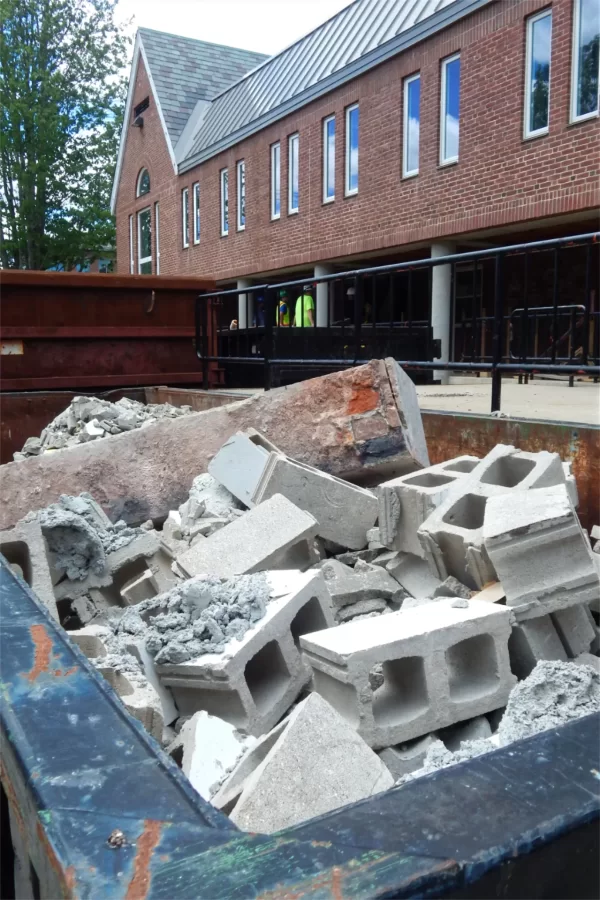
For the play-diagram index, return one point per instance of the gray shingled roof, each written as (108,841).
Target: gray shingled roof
(361,35)
(185,70)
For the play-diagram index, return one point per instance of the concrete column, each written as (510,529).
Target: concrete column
(441,305)
(323,291)
(242,306)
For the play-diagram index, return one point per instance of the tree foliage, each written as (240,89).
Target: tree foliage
(62,87)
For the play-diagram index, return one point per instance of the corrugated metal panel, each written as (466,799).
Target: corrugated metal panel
(317,63)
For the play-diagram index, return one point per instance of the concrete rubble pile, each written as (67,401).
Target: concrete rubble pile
(91,418)
(297,642)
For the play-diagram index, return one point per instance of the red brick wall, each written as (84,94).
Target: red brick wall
(500,178)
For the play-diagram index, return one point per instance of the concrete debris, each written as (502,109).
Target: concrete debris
(452,587)
(90,418)
(26,552)
(455,736)
(318,763)
(588,659)
(207,499)
(531,642)
(234,783)
(348,586)
(414,574)
(405,758)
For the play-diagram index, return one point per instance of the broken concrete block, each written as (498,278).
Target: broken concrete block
(209,748)
(405,502)
(256,678)
(239,465)
(414,574)
(405,758)
(91,640)
(344,511)
(539,551)
(138,697)
(274,535)
(472,730)
(24,546)
(452,587)
(532,641)
(319,763)
(169,711)
(588,659)
(575,629)
(348,586)
(139,588)
(346,613)
(571,484)
(437,670)
(352,557)
(452,536)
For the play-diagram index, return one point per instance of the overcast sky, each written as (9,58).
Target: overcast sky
(266,26)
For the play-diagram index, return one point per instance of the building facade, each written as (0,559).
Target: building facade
(397,130)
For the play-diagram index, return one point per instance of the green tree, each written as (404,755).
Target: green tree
(62,89)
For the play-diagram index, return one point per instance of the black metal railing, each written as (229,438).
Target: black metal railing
(345,319)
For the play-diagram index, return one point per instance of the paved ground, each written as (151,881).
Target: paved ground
(537,400)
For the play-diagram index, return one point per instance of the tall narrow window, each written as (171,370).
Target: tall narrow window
(185,217)
(351,165)
(329,159)
(145,242)
(450,110)
(241,195)
(293,173)
(143,183)
(275,181)
(157,237)
(537,74)
(585,73)
(224,202)
(196,211)
(131,254)
(411,125)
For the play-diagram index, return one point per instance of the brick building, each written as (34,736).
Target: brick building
(398,129)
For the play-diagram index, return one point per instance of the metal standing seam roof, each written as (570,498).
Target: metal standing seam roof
(185,70)
(316,64)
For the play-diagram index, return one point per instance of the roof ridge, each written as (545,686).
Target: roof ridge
(183,37)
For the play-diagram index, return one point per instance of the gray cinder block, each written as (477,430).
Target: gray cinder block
(539,551)
(255,680)
(24,546)
(364,582)
(532,641)
(575,627)
(239,465)
(402,759)
(274,535)
(344,511)
(437,669)
(318,763)
(414,575)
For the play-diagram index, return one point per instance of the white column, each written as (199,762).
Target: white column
(441,305)
(323,291)
(242,322)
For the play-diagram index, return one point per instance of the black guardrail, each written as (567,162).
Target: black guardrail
(347,318)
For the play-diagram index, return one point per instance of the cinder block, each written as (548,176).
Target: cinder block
(402,759)
(230,790)
(24,546)
(344,512)
(540,552)
(255,680)
(575,629)
(91,640)
(141,587)
(348,586)
(452,536)
(318,764)
(588,659)
(274,535)
(239,465)
(437,670)
(476,729)
(405,503)
(532,641)
(414,575)
(138,697)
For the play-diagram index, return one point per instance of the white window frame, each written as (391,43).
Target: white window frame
(240,167)
(406,172)
(224,178)
(448,160)
(196,212)
(573,117)
(157,235)
(185,218)
(293,140)
(275,168)
(143,259)
(131,250)
(538,132)
(326,122)
(350,192)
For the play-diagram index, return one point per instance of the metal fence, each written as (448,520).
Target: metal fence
(300,327)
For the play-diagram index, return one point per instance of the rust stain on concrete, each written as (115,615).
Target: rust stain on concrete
(146,844)
(363,399)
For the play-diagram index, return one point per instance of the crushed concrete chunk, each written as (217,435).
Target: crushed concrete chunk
(405,758)
(364,582)
(318,764)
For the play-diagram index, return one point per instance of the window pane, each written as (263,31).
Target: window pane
(225,201)
(588,61)
(146,268)
(185,197)
(451,109)
(330,158)
(196,212)
(294,173)
(276,181)
(413,116)
(145,234)
(352,150)
(144,183)
(539,73)
(242,194)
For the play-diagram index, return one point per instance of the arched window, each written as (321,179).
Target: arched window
(143,183)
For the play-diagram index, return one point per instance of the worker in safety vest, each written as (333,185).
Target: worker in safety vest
(282,317)
(304,313)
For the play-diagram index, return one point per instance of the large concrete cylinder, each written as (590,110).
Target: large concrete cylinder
(441,305)
(245,304)
(323,290)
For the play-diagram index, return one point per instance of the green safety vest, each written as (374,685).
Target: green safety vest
(303,304)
